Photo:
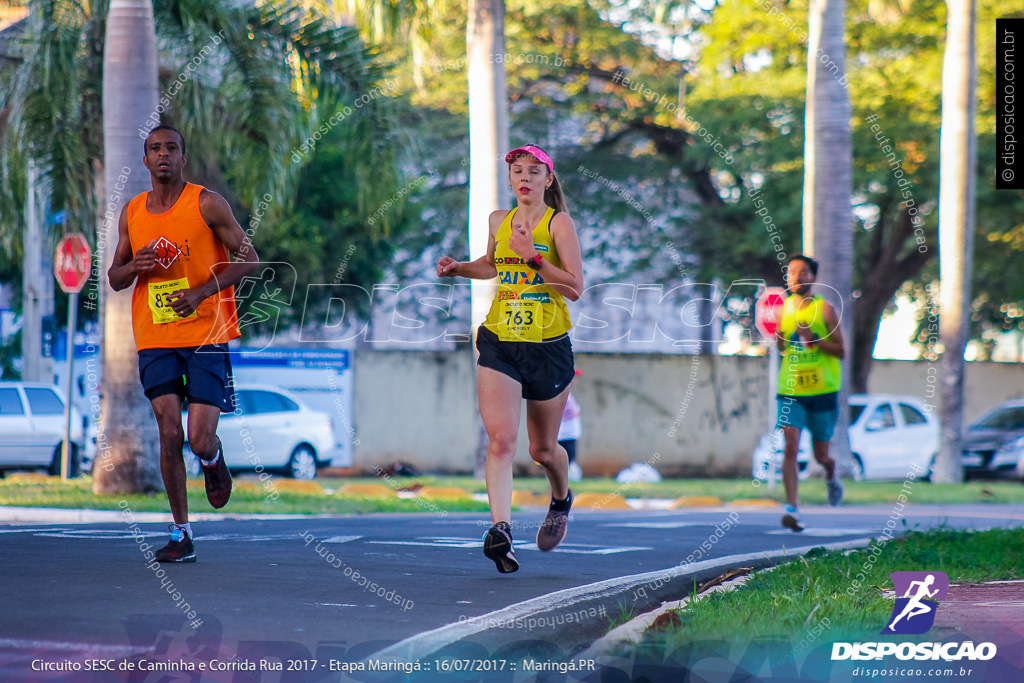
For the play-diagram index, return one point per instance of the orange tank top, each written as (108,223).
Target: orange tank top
(188,255)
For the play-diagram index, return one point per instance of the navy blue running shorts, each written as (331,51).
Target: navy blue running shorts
(200,373)
(544,369)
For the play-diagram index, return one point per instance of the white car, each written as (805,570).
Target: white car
(273,429)
(32,428)
(889,434)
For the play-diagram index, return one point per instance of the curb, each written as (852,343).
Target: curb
(495,631)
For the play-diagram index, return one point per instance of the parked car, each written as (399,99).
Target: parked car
(272,429)
(993,445)
(32,428)
(889,433)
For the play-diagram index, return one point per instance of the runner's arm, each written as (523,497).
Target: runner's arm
(482,268)
(567,280)
(832,342)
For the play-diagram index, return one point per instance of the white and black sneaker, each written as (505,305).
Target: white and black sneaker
(498,547)
(791,520)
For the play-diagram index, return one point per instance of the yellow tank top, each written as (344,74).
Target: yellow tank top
(524,308)
(806,370)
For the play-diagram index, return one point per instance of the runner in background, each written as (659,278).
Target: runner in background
(570,431)
(811,341)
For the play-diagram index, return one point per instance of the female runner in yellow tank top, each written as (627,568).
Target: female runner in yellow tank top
(524,344)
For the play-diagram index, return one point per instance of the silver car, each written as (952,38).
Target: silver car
(32,427)
(993,445)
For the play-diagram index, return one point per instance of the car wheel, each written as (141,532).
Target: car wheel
(54,468)
(858,468)
(302,464)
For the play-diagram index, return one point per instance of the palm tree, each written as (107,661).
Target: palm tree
(956,225)
(828,177)
(488,116)
(129,439)
(488,132)
(488,140)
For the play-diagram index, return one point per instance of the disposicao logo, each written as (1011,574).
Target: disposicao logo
(917,599)
(914,613)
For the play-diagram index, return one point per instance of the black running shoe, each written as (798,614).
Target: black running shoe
(180,549)
(218,480)
(498,547)
(552,530)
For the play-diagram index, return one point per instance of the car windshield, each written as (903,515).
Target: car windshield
(1006,419)
(855,412)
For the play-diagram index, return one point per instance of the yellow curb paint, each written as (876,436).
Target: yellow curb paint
(442,492)
(293,486)
(755,502)
(697,502)
(600,501)
(32,477)
(530,498)
(200,485)
(367,491)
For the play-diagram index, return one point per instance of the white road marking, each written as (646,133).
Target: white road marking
(822,531)
(341,539)
(575,548)
(660,524)
(101,534)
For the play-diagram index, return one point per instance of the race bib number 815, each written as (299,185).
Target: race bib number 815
(159,304)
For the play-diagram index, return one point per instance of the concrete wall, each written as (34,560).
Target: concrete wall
(686,415)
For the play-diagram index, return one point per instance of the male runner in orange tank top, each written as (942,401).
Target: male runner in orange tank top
(174,244)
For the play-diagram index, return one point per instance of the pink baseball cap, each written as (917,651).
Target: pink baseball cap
(535,152)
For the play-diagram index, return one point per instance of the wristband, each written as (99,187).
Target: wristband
(534,263)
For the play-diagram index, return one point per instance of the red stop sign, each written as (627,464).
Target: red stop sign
(72,263)
(767,309)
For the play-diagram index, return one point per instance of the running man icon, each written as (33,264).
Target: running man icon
(914,609)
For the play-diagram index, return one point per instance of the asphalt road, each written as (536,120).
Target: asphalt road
(329,593)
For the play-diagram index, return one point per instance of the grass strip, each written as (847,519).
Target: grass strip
(838,595)
(15,490)
(249,497)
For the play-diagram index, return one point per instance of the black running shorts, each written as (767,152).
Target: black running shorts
(200,373)
(544,369)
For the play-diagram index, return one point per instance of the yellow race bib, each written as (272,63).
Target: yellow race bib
(160,306)
(520,320)
(810,379)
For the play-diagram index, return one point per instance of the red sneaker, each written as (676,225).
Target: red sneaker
(218,480)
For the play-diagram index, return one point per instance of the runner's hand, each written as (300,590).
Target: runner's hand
(145,258)
(446,266)
(184,302)
(521,242)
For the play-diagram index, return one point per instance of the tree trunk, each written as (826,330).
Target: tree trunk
(956,225)
(828,181)
(488,141)
(129,446)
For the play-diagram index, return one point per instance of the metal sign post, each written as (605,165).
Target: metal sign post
(72,264)
(766,320)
